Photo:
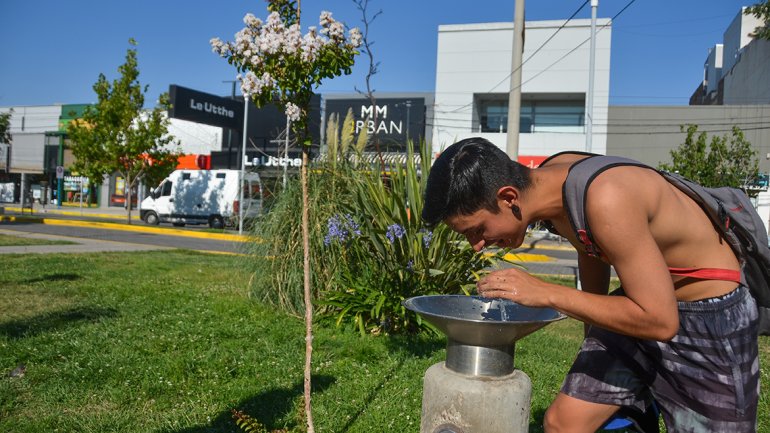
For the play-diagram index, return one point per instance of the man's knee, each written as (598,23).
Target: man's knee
(568,415)
(555,420)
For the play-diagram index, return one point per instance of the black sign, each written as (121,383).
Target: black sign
(393,120)
(199,107)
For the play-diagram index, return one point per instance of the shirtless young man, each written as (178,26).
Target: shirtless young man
(690,344)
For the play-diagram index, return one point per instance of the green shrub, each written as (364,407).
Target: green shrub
(386,255)
(369,249)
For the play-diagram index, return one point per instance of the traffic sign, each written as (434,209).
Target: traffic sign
(59,172)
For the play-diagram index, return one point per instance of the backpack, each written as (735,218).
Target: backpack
(729,209)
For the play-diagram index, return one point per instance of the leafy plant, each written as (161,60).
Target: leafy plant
(386,256)
(761,10)
(728,160)
(116,135)
(5,126)
(282,66)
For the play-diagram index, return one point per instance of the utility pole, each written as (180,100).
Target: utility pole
(514,97)
(243,161)
(589,120)
(230,130)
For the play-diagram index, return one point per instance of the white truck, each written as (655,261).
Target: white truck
(202,197)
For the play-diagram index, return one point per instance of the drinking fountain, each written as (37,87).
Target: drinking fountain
(477,388)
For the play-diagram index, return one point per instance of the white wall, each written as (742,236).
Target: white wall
(736,37)
(32,119)
(27,152)
(748,81)
(713,68)
(476,58)
(196,138)
(763,208)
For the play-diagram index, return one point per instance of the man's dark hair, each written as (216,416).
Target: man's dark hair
(466,178)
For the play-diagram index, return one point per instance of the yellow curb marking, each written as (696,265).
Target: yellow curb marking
(143,229)
(523,257)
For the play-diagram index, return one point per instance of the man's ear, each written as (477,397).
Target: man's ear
(507,196)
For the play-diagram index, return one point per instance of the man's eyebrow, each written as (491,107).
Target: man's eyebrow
(470,229)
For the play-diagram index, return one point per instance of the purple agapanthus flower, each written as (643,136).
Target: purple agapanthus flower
(395,231)
(427,237)
(340,229)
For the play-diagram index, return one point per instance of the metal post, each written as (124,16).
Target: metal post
(408,112)
(23,195)
(60,182)
(514,97)
(591,67)
(286,152)
(243,161)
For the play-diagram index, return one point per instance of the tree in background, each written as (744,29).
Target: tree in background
(280,65)
(5,127)
(728,160)
(762,11)
(117,135)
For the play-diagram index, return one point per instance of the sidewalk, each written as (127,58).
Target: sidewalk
(112,219)
(115,219)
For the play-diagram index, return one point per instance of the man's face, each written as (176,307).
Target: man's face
(484,228)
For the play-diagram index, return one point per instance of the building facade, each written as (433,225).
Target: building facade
(737,71)
(473,69)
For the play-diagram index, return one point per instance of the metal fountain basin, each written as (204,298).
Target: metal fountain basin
(481,332)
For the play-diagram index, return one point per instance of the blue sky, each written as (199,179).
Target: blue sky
(53,51)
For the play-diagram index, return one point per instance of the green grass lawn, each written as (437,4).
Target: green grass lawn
(170,342)
(18,241)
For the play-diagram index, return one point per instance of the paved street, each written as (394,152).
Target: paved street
(95,230)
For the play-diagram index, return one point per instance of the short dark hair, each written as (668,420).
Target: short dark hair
(466,177)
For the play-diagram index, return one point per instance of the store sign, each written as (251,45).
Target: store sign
(532,161)
(392,120)
(199,107)
(272,161)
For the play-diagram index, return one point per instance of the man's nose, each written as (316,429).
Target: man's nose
(477,243)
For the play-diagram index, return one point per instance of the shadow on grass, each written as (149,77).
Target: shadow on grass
(52,321)
(536,421)
(53,277)
(271,408)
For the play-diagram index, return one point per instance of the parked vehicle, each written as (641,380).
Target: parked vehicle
(202,197)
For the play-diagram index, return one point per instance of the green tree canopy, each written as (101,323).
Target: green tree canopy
(728,160)
(762,11)
(5,126)
(117,135)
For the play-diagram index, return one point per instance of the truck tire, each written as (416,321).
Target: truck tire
(151,218)
(216,222)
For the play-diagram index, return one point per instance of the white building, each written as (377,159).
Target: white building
(473,72)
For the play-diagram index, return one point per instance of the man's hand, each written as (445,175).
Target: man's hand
(516,285)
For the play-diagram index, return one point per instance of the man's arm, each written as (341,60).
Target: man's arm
(620,224)
(594,276)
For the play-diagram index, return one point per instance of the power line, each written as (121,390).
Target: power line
(580,45)
(536,51)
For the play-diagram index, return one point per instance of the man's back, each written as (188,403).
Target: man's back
(682,231)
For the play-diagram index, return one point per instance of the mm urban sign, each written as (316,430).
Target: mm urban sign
(393,121)
(199,107)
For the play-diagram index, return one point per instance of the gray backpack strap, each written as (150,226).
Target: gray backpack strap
(579,178)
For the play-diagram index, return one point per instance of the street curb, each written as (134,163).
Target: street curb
(129,228)
(536,246)
(74,213)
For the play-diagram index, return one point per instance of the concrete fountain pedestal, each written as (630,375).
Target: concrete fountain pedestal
(478,388)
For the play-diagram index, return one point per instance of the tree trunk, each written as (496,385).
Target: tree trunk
(308,292)
(127,195)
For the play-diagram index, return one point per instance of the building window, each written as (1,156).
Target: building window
(537,115)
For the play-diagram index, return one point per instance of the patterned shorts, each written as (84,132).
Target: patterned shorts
(706,379)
